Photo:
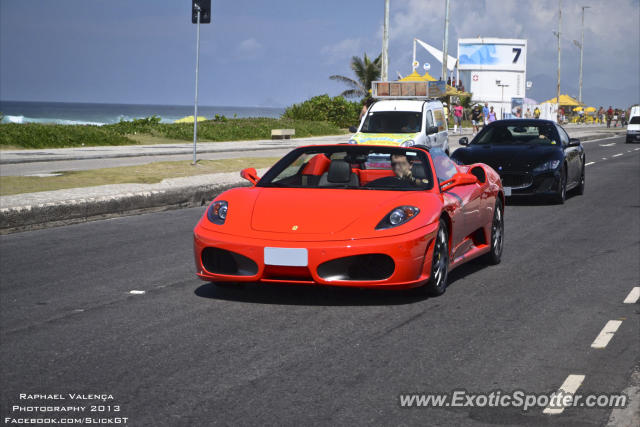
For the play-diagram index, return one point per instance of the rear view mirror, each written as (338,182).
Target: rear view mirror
(573,142)
(250,174)
(463,141)
(353,129)
(458,179)
(433,129)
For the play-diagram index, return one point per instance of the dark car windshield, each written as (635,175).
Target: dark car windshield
(392,122)
(635,120)
(352,167)
(512,134)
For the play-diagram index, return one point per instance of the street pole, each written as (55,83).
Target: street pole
(445,49)
(195,106)
(581,53)
(559,29)
(385,43)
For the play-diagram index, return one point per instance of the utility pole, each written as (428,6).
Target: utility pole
(558,35)
(385,44)
(195,105)
(200,14)
(581,52)
(445,49)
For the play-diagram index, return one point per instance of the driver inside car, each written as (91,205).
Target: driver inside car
(402,169)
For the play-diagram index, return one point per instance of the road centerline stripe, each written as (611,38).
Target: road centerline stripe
(607,145)
(136,292)
(589,163)
(633,296)
(569,386)
(617,155)
(606,334)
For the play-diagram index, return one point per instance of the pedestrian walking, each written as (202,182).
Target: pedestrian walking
(476,116)
(485,113)
(492,115)
(536,113)
(600,115)
(527,114)
(457,118)
(365,108)
(609,116)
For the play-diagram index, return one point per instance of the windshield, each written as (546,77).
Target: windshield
(543,134)
(635,120)
(392,122)
(352,167)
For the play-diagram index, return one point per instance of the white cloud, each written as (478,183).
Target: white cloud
(249,48)
(342,50)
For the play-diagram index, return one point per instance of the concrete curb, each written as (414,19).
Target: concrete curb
(23,218)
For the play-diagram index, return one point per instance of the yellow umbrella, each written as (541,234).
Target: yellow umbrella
(590,109)
(189,119)
(413,77)
(428,77)
(577,109)
(564,100)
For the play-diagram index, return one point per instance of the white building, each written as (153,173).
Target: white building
(494,70)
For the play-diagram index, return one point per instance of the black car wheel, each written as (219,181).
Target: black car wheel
(440,263)
(561,195)
(497,234)
(580,187)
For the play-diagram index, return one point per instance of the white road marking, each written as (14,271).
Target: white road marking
(590,163)
(569,386)
(636,149)
(606,334)
(633,296)
(135,292)
(617,155)
(607,145)
(604,158)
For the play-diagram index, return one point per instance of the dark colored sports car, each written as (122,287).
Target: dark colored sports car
(533,157)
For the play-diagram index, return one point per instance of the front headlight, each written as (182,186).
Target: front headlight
(408,143)
(217,212)
(550,165)
(353,141)
(398,216)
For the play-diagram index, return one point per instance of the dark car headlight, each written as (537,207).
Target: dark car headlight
(217,212)
(547,166)
(398,216)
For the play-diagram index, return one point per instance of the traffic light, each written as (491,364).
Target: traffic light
(205,11)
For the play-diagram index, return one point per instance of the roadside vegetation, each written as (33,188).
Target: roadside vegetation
(36,135)
(141,174)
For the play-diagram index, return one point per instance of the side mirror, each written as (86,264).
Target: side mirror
(458,179)
(353,129)
(463,141)
(250,175)
(433,129)
(573,142)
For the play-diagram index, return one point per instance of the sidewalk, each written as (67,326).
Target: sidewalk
(36,210)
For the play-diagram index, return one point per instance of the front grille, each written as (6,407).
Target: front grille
(516,180)
(220,261)
(358,267)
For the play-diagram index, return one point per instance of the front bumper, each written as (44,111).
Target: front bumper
(633,137)
(411,254)
(529,184)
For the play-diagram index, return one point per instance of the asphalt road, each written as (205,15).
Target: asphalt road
(188,353)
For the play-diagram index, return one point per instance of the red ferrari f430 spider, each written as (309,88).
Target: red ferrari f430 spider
(353,215)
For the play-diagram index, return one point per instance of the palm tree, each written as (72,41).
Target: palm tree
(366,71)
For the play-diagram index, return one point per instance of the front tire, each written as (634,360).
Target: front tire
(497,234)
(561,195)
(440,262)
(580,188)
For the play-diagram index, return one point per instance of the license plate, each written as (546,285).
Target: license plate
(288,257)
(507,191)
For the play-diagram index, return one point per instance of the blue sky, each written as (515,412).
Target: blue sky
(274,53)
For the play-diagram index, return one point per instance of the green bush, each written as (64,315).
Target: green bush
(336,110)
(36,135)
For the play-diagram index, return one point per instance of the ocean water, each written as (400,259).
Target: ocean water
(99,114)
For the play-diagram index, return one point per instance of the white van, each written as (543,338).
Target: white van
(403,122)
(633,128)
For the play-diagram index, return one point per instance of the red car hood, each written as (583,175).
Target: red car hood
(316,211)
